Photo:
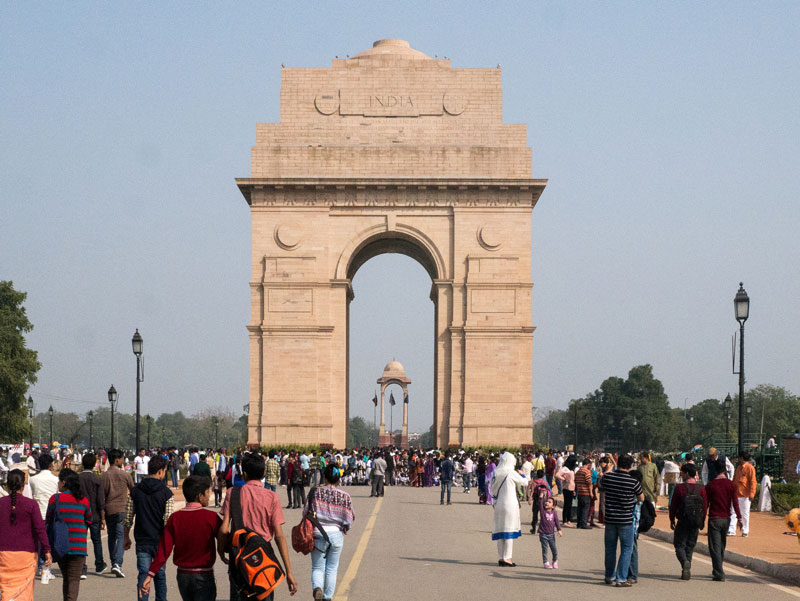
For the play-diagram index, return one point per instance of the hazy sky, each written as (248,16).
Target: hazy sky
(670,134)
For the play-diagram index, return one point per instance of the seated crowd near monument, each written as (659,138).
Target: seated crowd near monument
(616,492)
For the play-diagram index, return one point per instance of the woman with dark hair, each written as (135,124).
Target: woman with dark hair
(480,474)
(71,506)
(21,534)
(333,510)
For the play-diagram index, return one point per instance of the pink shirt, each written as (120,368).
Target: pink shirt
(261,509)
(567,476)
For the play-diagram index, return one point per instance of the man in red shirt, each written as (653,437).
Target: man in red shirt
(584,490)
(721,494)
(261,513)
(690,516)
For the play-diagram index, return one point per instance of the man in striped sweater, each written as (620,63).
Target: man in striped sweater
(621,494)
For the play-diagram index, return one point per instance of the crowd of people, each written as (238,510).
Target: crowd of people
(52,502)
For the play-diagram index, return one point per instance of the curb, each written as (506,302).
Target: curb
(779,572)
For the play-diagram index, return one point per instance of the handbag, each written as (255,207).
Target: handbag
(58,532)
(303,533)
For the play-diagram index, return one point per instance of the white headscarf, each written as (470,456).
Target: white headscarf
(504,467)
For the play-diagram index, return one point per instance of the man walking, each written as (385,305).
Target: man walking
(297,477)
(621,494)
(585,492)
(446,477)
(140,464)
(92,487)
(377,475)
(116,486)
(687,507)
(150,504)
(721,495)
(273,472)
(709,472)
(466,474)
(260,511)
(744,479)
(651,479)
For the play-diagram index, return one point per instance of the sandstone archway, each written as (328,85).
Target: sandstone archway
(391,151)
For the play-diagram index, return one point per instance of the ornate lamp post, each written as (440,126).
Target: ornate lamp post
(50,412)
(728,402)
(30,415)
(136,343)
(91,437)
(112,398)
(741,305)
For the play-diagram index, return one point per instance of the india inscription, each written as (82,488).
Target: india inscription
(391,151)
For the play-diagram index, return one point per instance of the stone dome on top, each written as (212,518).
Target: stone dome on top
(394,368)
(392,47)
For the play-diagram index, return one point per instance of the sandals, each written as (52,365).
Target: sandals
(506,564)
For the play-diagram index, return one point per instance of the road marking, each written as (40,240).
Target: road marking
(736,571)
(344,587)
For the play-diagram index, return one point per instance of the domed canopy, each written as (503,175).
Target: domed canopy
(394,372)
(392,47)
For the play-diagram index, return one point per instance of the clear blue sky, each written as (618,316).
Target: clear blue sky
(670,134)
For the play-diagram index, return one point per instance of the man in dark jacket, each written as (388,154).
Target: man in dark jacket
(151,504)
(92,487)
(446,477)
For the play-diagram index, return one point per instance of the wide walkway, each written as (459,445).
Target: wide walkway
(406,546)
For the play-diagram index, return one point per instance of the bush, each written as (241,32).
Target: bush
(787,495)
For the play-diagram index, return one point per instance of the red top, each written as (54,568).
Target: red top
(78,516)
(679,495)
(28,528)
(721,495)
(261,509)
(193,533)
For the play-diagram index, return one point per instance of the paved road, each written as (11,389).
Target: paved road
(406,546)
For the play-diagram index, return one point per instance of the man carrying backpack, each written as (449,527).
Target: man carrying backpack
(688,507)
(297,476)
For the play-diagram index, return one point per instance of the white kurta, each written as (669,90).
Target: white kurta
(764,499)
(506,505)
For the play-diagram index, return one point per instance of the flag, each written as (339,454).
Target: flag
(375,399)
(391,399)
(405,399)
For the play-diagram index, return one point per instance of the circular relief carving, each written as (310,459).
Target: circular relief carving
(491,237)
(455,104)
(287,235)
(327,103)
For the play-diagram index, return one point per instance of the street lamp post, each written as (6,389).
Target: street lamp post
(749,411)
(149,421)
(50,412)
(91,437)
(30,415)
(691,428)
(136,343)
(112,398)
(741,305)
(216,433)
(728,402)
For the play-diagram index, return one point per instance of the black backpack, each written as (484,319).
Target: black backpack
(647,517)
(692,513)
(298,475)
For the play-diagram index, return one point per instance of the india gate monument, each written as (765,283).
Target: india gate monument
(391,151)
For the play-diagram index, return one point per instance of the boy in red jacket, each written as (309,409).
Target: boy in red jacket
(192,532)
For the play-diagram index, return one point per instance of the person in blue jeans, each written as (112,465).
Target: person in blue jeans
(333,509)
(150,505)
(633,570)
(621,494)
(446,477)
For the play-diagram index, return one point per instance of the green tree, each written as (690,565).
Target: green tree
(361,434)
(18,364)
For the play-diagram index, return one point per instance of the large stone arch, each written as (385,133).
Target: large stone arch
(390,151)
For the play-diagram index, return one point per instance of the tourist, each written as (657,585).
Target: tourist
(549,467)
(548,527)
(260,511)
(92,487)
(651,478)
(527,468)
(72,507)
(22,540)
(272,471)
(192,532)
(377,475)
(390,468)
(297,477)
(174,466)
(446,471)
(566,476)
(140,465)
(744,479)
(585,491)
(480,474)
(116,486)
(43,486)
(538,490)
(503,489)
(333,509)
(150,504)
(201,468)
(218,486)
(709,473)
(687,513)
(721,494)
(621,494)
(490,469)
(633,569)
(466,473)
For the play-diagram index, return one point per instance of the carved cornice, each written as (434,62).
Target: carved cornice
(391,193)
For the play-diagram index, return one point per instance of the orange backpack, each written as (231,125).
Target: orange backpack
(255,569)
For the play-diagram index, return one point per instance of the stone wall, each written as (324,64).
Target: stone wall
(791,455)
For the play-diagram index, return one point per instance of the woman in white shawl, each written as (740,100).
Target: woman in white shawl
(506,507)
